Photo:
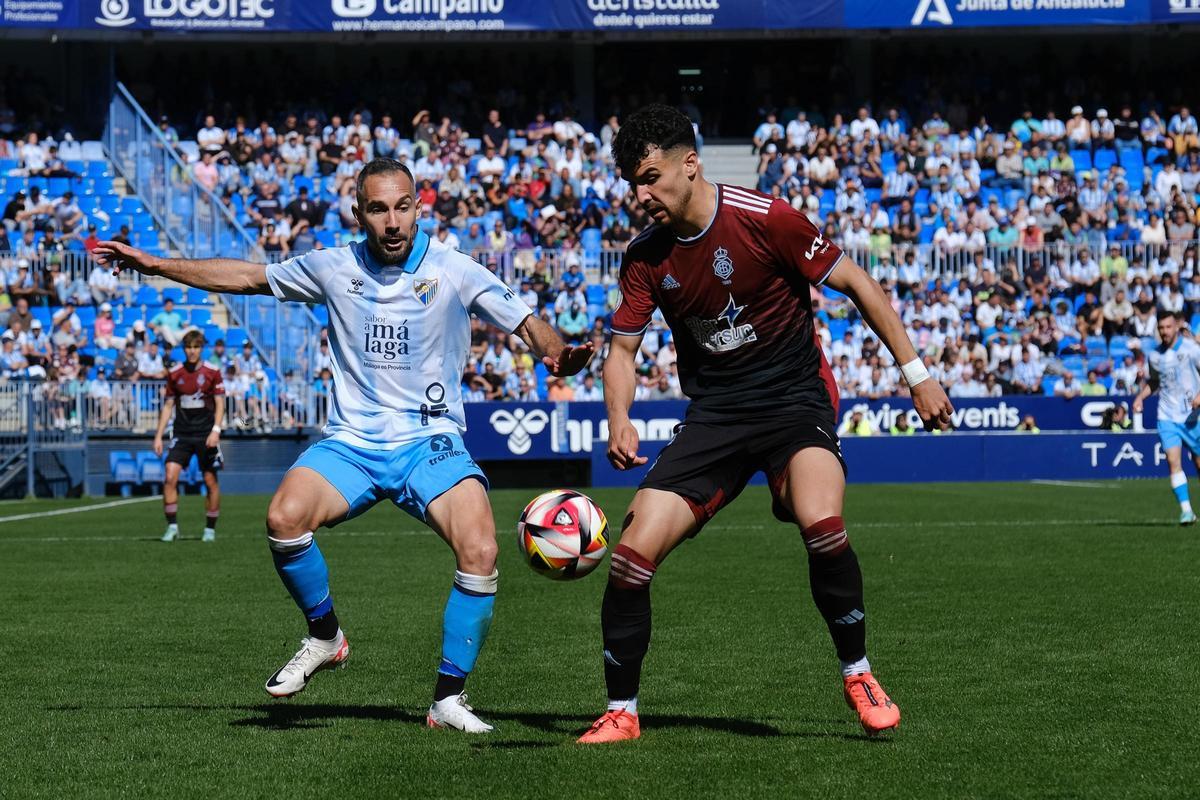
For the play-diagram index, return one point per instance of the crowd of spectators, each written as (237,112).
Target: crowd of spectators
(1017,268)
(492,190)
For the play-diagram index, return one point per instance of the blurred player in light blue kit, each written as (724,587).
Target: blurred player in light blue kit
(1175,375)
(400,307)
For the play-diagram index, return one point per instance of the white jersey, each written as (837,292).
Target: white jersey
(399,336)
(1177,370)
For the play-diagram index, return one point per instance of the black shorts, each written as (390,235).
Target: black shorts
(709,463)
(184,447)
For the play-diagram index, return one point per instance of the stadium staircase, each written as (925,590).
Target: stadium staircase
(194,224)
(730,162)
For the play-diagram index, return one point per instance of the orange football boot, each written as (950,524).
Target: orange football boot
(614,726)
(876,711)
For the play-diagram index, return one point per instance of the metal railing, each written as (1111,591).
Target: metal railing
(937,262)
(74,264)
(200,225)
(194,219)
(36,417)
(105,405)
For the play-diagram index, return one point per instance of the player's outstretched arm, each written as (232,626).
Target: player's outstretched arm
(619,381)
(1148,388)
(929,398)
(226,275)
(560,358)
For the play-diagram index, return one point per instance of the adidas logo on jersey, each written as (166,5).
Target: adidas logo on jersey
(669,282)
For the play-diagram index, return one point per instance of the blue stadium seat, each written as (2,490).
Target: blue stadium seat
(146,296)
(172,293)
(596,294)
(97,169)
(201,317)
(123,469)
(8,164)
(1082,159)
(590,238)
(197,297)
(150,467)
(58,186)
(1103,159)
(234,338)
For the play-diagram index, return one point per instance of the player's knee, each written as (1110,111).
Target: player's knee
(287,519)
(477,553)
(826,537)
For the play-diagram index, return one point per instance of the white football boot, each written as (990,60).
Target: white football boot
(209,535)
(453,712)
(171,535)
(314,655)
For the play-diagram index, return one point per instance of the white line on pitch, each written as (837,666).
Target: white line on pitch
(79,509)
(53,539)
(1011,523)
(1080,484)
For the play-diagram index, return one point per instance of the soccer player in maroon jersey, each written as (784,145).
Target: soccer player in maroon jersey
(731,270)
(195,396)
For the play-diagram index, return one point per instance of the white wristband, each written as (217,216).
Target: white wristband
(914,372)
(216,429)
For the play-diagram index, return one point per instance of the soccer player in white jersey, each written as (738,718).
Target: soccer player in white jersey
(1175,375)
(400,306)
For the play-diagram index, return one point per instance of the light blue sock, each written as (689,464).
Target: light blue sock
(303,571)
(466,621)
(1179,485)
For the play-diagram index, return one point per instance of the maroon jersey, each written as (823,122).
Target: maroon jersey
(195,392)
(736,297)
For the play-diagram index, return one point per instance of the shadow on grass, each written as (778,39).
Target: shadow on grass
(291,716)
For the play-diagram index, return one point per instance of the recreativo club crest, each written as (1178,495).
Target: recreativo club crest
(722,264)
(425,290)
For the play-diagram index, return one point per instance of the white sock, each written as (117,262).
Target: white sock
(1186,505)
(628,706)
(855,667)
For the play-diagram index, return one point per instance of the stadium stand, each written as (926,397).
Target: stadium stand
(1017,254)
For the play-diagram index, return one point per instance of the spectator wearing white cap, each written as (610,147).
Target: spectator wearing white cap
(104,328)
(1079,130)
(1104,133)
(12,360)
(35,344)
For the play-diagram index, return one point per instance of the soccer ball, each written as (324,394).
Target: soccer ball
(563,534)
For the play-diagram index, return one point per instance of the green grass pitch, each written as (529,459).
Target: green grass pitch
(1040,640)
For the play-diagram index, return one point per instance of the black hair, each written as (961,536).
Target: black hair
(655,125)
(379,166)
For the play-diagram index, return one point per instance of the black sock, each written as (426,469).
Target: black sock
(171,510)
(210,521)
(625,620)
(448,686)
(837,588)
(325,627)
